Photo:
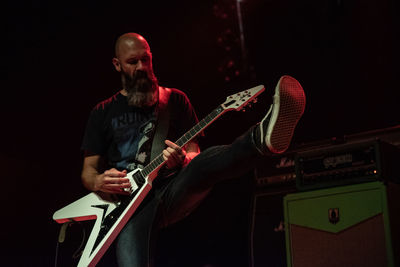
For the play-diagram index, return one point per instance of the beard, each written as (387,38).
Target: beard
(142,88)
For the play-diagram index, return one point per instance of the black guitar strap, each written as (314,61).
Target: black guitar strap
(162,125)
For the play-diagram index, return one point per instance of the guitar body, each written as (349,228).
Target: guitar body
(112,212)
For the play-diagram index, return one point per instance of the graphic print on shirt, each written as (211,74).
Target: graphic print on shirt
(133,134)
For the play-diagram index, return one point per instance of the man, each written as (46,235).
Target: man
(119,138)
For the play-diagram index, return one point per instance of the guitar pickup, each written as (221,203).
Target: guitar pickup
(134,184)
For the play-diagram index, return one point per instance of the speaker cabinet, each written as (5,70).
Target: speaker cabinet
(340,226)
(267,237)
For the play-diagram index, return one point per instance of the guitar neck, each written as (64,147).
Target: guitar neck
(186,138)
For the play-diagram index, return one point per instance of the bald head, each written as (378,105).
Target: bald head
(129,41)
(133,60)
(132,53)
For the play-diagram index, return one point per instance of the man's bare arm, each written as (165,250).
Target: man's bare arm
(111,181)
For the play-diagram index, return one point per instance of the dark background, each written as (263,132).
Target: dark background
(57,66)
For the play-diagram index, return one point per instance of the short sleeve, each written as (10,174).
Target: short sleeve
(184,115)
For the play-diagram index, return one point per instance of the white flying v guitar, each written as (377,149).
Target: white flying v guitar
(110,212)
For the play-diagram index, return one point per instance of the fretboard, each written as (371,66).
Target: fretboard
(186,138)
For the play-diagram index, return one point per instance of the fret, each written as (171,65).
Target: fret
(159,159)
(197,128)
(192,133)
(208,118)
(144,171)
(202,124)
(182,140)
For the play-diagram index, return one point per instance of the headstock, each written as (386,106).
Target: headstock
(240,100)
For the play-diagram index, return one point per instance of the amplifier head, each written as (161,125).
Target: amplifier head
(347,164)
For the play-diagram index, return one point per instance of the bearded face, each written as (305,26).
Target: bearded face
(142,88)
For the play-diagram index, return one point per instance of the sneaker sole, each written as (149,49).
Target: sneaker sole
(289,105)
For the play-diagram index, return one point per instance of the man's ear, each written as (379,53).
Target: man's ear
(116,64)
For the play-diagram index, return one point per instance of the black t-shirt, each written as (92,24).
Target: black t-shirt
(123,134)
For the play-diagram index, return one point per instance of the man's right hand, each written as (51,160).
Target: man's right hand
(112,181)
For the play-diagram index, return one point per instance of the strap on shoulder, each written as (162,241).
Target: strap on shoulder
(162,125)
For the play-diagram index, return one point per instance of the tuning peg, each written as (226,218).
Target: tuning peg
(243,110)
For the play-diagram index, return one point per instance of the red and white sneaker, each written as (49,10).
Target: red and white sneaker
(277,127)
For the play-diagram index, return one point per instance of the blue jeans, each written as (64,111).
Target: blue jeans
(176,200)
